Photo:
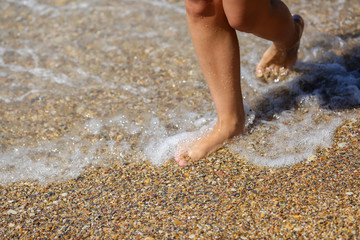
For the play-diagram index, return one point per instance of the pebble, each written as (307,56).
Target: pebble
(311,158)
(219,197)
(246,202)
(342,145)
(13,212)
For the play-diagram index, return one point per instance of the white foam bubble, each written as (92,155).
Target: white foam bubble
(288,139)
(161,150)
(35,6)
(60,159)
(94,126)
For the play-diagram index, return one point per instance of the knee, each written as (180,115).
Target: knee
(242,21)
(200,8)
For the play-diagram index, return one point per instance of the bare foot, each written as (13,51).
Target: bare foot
(277,61)
(209,143)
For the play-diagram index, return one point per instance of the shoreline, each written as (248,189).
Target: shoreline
(221,196)
(70,67)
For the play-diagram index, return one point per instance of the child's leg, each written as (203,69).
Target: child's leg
(269,19)
(212,24)
(217,49)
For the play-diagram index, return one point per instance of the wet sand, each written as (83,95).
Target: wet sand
(220,197)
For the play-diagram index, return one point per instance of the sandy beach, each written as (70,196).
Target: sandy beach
(58,99)
(220,197)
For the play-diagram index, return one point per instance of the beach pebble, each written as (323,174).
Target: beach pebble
(342,144)
(81,84)
(11,212)
(311,158)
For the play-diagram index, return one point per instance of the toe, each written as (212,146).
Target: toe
(180,157)
(275,75)
(283,72)
(276,71)
(259,72)
(183,159)
(268,73)
(183,163)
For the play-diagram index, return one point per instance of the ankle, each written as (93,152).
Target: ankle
(286,45)
(294,38)
(231,126)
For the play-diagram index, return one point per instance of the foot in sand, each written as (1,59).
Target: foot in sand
(209,143)
(277,60)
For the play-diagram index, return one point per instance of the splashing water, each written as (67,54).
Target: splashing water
(95,82)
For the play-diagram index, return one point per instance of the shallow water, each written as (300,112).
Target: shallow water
(94,82)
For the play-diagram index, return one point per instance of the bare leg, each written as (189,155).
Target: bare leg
(212,25)
(217,49)
(271,20)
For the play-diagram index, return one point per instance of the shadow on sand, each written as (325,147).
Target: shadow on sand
(334,82)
